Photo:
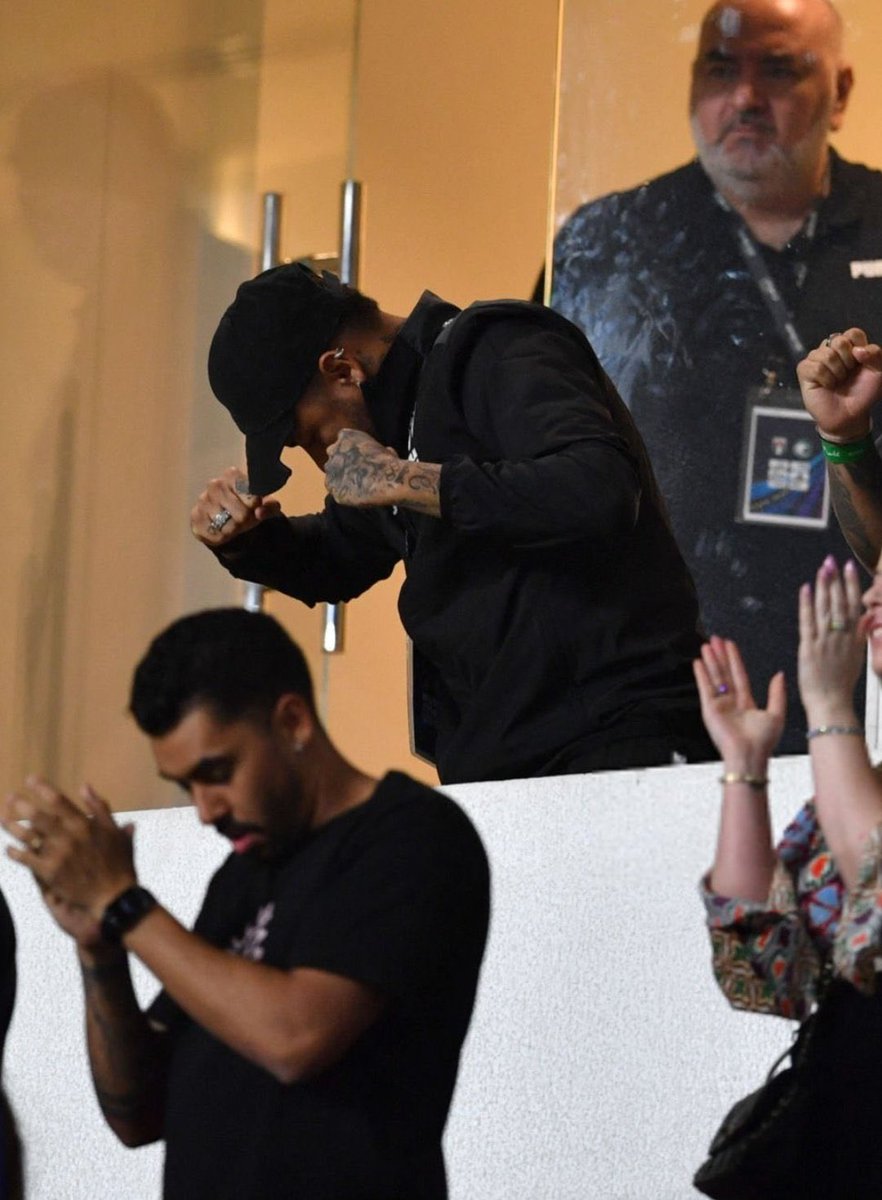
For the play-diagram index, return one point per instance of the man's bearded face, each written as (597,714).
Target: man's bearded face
(765,94)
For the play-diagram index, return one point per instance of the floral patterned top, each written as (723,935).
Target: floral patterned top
(767,957)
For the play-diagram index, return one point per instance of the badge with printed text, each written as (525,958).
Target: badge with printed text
(783,476)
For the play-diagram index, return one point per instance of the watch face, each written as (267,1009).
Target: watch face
(124,913)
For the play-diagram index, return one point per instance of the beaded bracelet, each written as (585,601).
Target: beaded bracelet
(757,782)
(846,452)
(821,730)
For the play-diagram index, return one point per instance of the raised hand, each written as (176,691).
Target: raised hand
(841,381)
(80,858)
(744,734)
(227,509)
(832,644)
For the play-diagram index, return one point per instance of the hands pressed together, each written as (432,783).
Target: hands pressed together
(80,858)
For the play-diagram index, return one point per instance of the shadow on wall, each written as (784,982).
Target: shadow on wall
(102,232)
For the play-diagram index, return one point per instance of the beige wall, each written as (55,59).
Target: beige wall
(133,145)
(116,125)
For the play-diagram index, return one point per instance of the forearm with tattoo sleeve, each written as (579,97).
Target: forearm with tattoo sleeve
(856,491)
(128,1058)
(360,471)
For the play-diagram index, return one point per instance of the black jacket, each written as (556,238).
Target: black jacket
(549,602)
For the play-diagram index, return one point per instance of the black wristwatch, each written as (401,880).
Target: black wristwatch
(124,913)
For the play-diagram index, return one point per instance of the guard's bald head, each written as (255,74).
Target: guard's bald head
(819,21)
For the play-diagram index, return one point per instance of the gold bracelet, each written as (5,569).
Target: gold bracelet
(757,782)
(820,730)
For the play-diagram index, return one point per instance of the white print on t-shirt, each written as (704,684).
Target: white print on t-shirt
(250,944)
(870,269)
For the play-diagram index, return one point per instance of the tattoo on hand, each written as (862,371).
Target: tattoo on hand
(359,473)
(362,473)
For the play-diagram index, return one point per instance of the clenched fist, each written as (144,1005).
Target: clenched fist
(227,509)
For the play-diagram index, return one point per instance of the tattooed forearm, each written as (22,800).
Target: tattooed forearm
(126,1056)
(362,473)
(422,481)
(856,491)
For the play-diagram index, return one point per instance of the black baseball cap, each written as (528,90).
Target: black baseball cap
(264,354)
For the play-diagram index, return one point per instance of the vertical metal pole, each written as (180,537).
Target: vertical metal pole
(271,233)
(333,632)
(270,240)
(350,231)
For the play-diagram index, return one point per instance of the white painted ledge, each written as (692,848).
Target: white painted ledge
(601,1056)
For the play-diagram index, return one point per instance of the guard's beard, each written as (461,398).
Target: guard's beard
(773,177)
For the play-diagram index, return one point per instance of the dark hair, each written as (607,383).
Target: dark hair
(236,663)
(359,313)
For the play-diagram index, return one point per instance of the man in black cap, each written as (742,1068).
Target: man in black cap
(552,618)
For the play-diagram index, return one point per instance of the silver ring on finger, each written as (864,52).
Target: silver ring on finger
(219,520)
(828,340)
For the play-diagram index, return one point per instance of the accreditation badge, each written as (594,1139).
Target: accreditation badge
(783,473)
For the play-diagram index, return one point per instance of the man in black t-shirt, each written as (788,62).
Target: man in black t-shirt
(307,1036)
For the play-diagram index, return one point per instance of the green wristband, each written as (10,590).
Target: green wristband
(846,452)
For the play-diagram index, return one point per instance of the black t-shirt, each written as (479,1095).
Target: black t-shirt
(9,1150)
(394,894)
(7,971)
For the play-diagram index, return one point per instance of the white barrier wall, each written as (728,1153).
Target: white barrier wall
(601,1056)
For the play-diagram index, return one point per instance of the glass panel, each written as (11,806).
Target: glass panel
(135,142)
(657,278)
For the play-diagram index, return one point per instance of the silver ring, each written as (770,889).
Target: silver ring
(828,340)
(219,520)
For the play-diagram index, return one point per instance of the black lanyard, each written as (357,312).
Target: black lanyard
(762,277)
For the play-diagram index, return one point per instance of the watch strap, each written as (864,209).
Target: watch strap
(124,913)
